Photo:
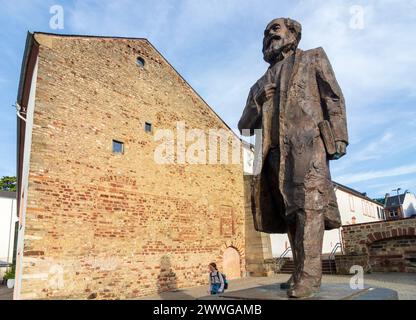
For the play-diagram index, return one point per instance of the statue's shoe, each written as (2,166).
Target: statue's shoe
(302,291)
(288,284)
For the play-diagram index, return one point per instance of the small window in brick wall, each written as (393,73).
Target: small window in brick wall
(140,62)
(118,147)
(147,127)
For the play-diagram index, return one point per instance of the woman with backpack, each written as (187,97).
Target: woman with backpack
(216,279)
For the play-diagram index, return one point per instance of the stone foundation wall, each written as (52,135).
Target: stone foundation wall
(271,266)
(386,246)
(394,255)
(345,262)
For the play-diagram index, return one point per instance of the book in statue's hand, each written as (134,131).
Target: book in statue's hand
(328,137)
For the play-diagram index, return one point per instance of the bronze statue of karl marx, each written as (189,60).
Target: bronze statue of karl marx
(300,109)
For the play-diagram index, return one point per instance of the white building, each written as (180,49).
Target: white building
(8,219)
(354,207)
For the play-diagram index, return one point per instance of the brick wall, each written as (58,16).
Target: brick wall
(394,255)
(388,246)
(104,225)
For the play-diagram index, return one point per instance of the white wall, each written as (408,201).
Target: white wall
(248,158)
(409,205)
(8,217)
(353,209)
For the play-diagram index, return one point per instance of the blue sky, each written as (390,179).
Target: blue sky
(216,46)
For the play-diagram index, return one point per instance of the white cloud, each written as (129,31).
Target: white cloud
(387,187)
(370,175)
(375,149)
(379,148)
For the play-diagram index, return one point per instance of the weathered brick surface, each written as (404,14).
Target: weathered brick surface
(110,225)
(346,261)
(388,245)
(394,255)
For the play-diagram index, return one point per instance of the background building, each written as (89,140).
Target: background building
(400,206)
(8,219)
(99,218)
(354,206)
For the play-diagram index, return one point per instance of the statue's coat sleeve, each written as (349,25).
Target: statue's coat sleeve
(331,97)
(251,118)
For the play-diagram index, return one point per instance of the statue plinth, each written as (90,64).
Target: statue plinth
(336,291)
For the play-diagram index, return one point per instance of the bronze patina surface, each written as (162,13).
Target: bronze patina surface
(300,109)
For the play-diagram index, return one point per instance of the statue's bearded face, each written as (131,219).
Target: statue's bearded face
(277,39)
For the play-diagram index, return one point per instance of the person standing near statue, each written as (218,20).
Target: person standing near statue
(300,109)
(216,280)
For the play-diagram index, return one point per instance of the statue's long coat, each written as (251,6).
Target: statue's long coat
(307,93)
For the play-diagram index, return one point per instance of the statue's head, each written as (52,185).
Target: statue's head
(281,35)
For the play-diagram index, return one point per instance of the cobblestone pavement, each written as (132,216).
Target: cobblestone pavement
(403,283)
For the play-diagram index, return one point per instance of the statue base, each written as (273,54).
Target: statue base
(328,292)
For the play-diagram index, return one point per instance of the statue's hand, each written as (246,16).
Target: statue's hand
(341,147)
(266,93)
(269,90)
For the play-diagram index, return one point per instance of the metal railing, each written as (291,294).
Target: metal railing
(281,257)
(331,256)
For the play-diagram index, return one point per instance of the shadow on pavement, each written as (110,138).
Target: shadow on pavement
(6,293)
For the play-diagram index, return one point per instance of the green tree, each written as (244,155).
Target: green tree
(380,200)
(8,183)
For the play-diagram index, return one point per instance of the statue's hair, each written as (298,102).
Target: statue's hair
(294,27)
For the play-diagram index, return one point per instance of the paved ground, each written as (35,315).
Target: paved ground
(403,283)
(5,293)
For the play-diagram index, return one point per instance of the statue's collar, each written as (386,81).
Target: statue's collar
(285,56)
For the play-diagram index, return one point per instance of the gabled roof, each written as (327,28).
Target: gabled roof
(394,201)
(354,192)
(30,40)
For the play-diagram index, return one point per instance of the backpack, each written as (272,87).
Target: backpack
(225,281)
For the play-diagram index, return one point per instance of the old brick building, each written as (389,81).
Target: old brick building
(99,218)
(400,206)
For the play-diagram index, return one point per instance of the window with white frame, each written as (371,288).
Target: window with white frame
(394,213)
